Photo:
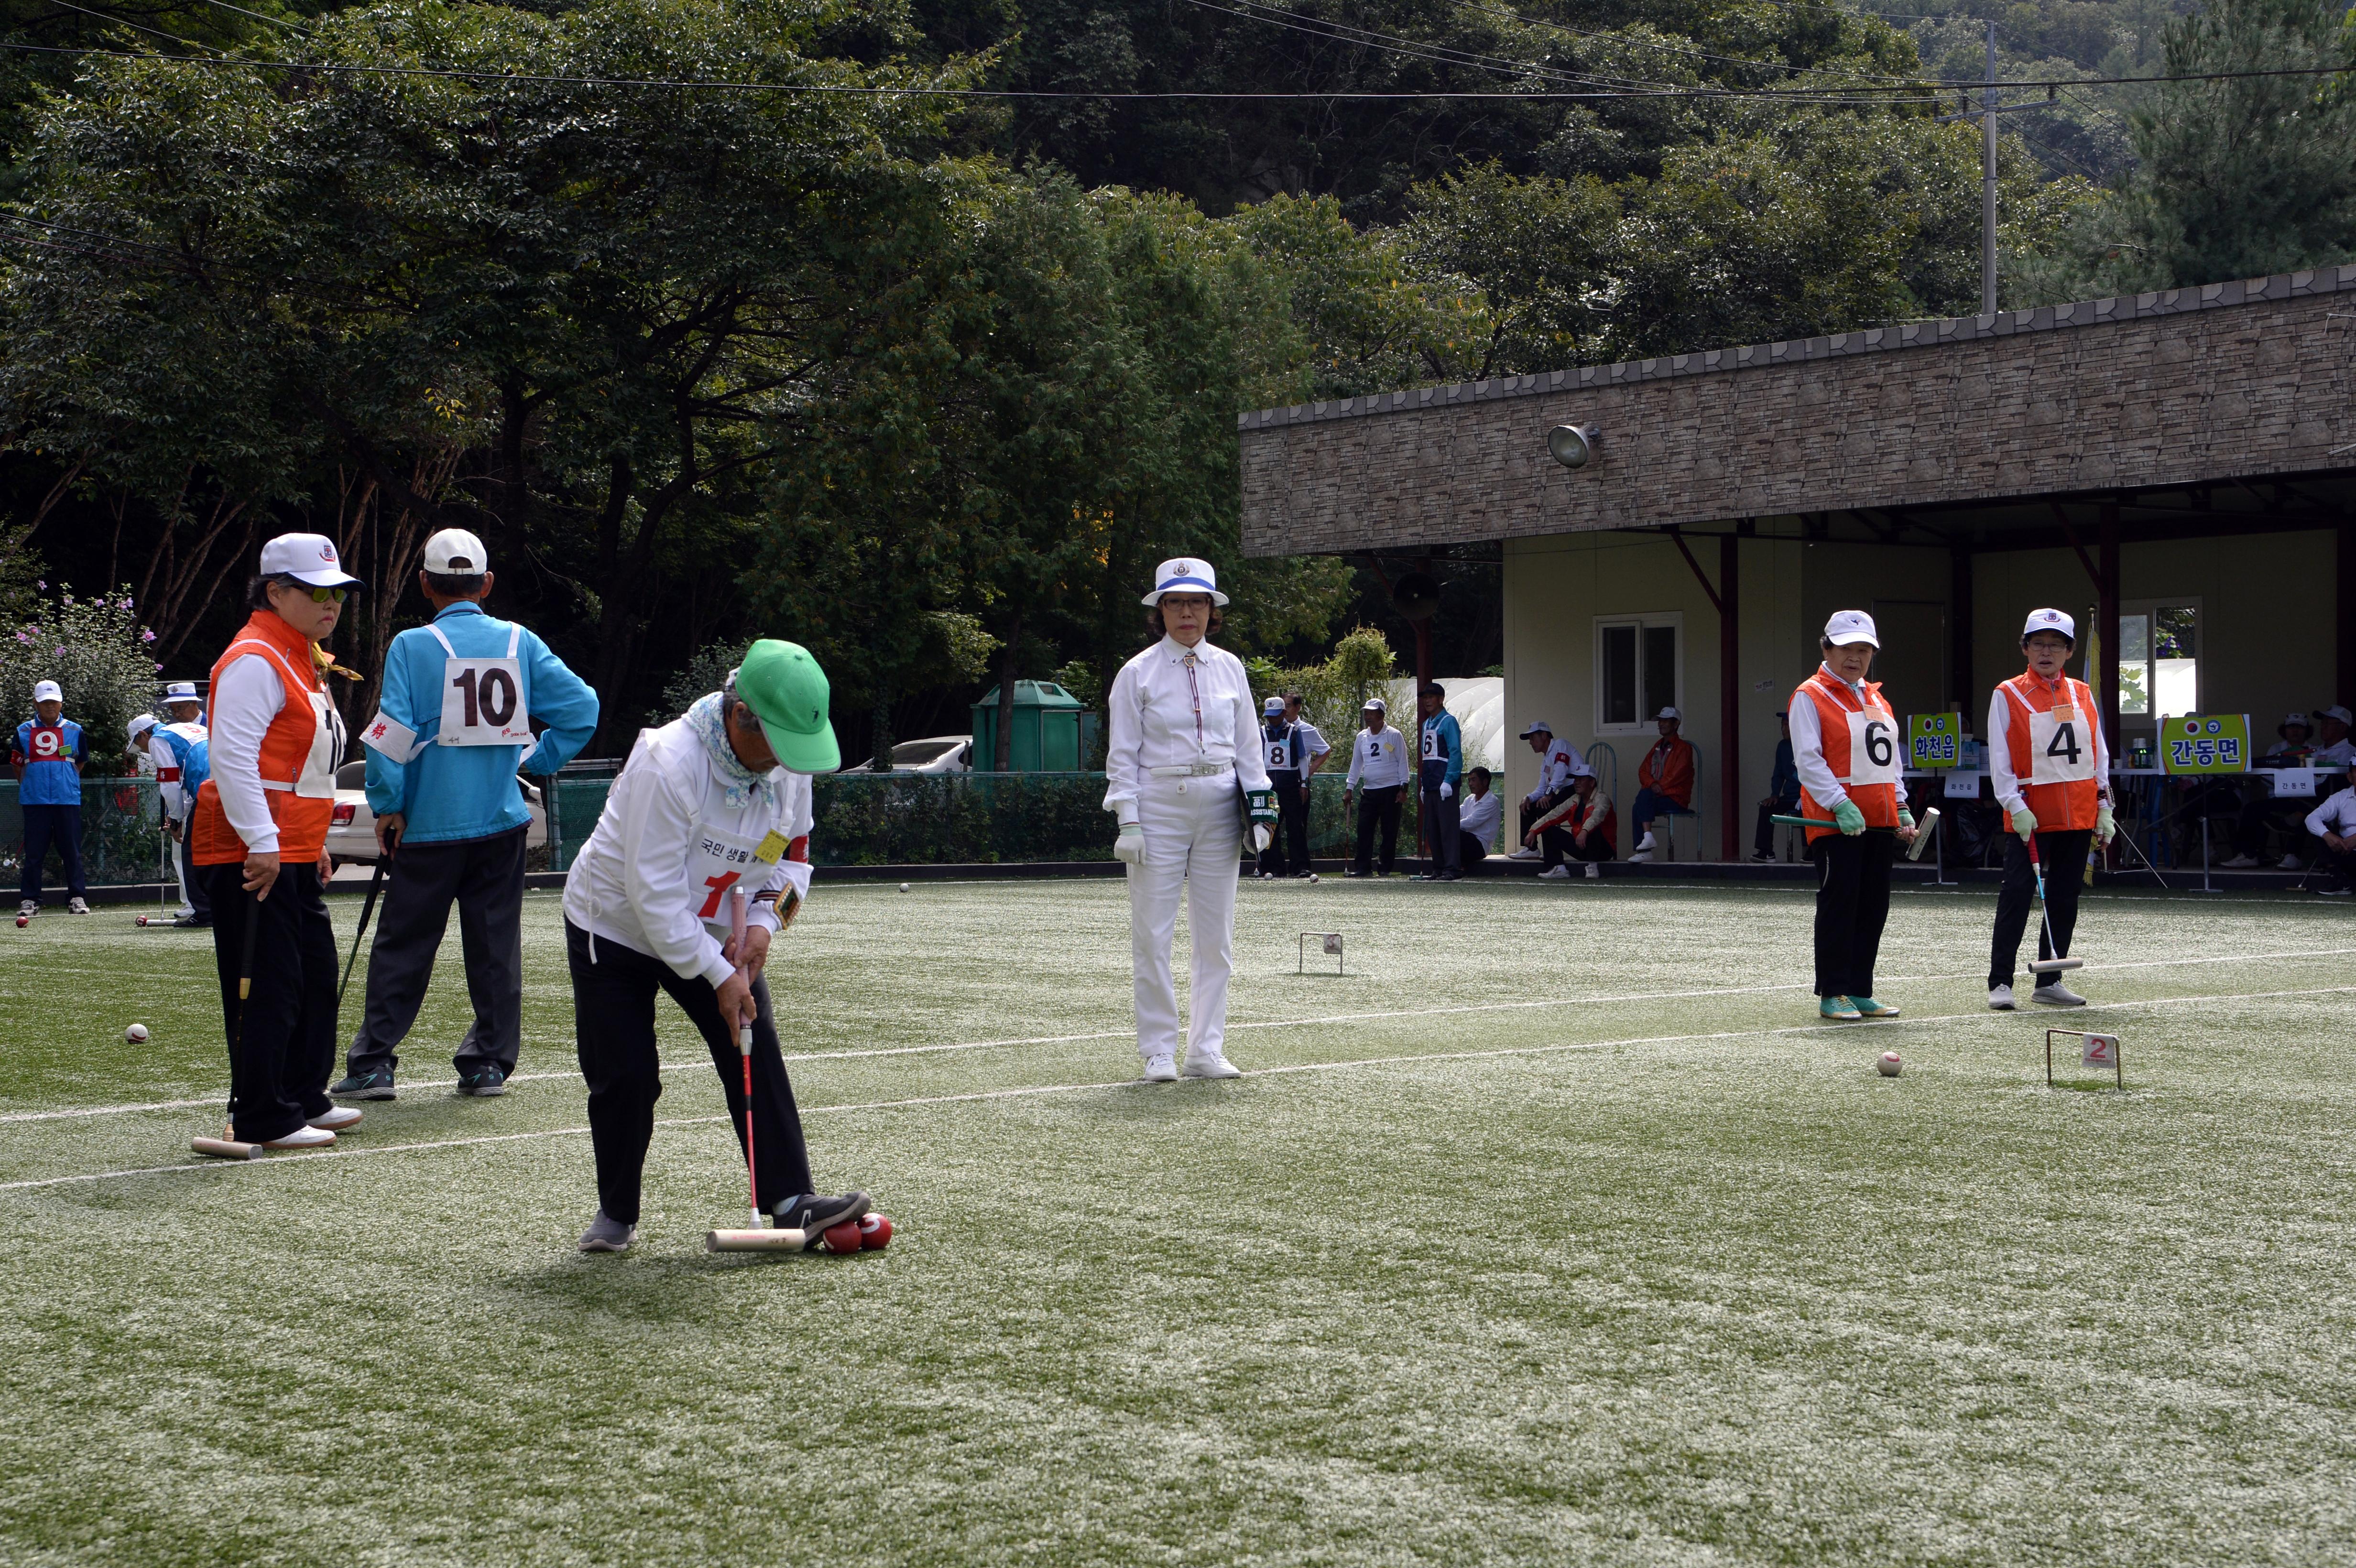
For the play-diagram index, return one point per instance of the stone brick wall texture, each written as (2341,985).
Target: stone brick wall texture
(2225,382)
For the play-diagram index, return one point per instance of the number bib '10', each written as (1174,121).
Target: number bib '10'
(2058,750)
(482,698)
(1872,747)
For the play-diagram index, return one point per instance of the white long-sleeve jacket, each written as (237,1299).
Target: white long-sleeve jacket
(656,875)
(1166,712)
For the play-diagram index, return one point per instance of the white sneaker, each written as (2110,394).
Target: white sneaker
(2238,863)
(1213,1066)
(2054,994)
(1161,1069)
(29,908)
(1526,852)
(338,1119)
(2000,999)
(304,1137)
(2291,863)
(1555,873)
(76,906)
(1646,842)
(1593,869)
(1641,856)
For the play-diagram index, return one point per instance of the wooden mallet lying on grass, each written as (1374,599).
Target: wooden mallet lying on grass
(227,1146)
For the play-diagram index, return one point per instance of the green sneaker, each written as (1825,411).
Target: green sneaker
(1840,1008)
(1870,1009)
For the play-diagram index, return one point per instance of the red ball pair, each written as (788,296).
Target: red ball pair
(869,1232)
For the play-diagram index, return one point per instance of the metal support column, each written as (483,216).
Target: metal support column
(1730,692)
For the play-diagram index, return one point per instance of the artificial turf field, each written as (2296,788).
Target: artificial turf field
(1555,1231)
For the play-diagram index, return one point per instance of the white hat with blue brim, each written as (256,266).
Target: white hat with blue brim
(1272,707)
(181,691)
(1186,574)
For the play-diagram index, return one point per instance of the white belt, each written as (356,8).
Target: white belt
(1191,770)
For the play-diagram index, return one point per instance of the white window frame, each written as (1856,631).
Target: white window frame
(2150,719)
(1643,621)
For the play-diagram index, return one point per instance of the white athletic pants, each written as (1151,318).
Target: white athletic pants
(1193,844)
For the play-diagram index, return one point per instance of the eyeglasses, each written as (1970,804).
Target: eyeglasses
(318,595)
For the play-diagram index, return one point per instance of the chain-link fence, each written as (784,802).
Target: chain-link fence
(122,834)
(932,819)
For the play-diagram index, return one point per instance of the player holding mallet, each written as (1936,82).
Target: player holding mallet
(1845,743)
(716,801)
(2051,766)
(1182,769)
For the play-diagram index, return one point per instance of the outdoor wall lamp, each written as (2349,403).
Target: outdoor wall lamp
(1573,445)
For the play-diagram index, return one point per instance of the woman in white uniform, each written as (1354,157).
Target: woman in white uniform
(1182,768)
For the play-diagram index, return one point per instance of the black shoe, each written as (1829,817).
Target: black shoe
(1761,857)
(1450,877)
(376,1085)
(813,1214)
(1302,876)
(190,922)
(485,1082)
(1354,871)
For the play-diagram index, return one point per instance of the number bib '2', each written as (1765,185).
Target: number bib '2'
(482,698)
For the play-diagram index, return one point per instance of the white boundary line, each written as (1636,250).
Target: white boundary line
(1598,1000)
(1035,1090)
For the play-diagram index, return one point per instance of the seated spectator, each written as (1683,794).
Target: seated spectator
(1559,764)
(1782,793)
(1665,781)
(1479,818)
(2334,823)
(2262,813)
(2332,747)
(1580,829)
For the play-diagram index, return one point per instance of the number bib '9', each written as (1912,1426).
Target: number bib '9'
(2058,749)
(482,698)
(1872,748)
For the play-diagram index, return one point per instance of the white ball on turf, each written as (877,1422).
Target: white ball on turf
(135,1033)
(1890,1064)
(1313,876)
(904,887)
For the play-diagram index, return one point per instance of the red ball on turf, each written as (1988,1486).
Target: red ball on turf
(875,1231)
(143,920)
(22,923)
(843,1238)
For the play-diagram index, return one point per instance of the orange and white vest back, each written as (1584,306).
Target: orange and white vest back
(299,752)
(1862,749)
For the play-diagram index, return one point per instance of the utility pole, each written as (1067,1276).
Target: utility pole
(1987,183)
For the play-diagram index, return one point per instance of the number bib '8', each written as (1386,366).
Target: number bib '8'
(1872,747)
(2060,752)
(482,698)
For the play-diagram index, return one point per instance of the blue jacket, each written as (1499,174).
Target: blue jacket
(1442,760)
(51,780)
(446,793)
(193,757)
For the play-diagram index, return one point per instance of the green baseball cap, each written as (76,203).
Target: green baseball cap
(788,694)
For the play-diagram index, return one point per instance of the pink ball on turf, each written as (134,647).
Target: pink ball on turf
(876,1231)
(843,1238)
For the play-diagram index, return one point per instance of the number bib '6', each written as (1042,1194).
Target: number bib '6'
(1872,747)
(2058,750)
(482,698)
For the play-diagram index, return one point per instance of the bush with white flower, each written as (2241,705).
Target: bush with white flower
(98,651)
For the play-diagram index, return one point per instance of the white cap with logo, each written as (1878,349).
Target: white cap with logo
(1186,574)
(1670,713)
(2334,712)
(47,691)
(455,552)
(306,557)
(1272,707)
(140,724)
(2048,621)
(1375,704)
(1537,727)
(1848,627)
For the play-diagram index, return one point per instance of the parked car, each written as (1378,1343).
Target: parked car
(351,831)
(937,755)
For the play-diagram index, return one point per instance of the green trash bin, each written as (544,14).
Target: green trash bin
(1051,730)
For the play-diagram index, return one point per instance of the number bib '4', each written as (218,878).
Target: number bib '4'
(2058,749)
(482,698)
(1872,748)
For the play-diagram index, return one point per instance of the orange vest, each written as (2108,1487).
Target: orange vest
(1862,749)
(299,753)
(2050,733)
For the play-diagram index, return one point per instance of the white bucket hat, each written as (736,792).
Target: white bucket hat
(1186,574)
(181,691)
(1848,627)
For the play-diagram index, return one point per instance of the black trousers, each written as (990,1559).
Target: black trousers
(1531,811)
(1852,906)
(2265,812)
(1470,853)
(1378,808)
(2337,865)
(1291,835)
(1763,841)
(284,1047)
(1442,827)
(614,1016)
(1560,846)
(192,877)
(485,878)
(2064,858)
(45,826)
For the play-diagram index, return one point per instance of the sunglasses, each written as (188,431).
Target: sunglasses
(322,595)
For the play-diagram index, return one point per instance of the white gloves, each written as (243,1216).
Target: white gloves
(1262,836)
(1129,847)
(1446,789)
(2024,822)
(2105,825)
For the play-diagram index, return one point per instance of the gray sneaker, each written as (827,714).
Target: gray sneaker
(605,1235)
(2054,994)
(2000,999)
(76,906)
